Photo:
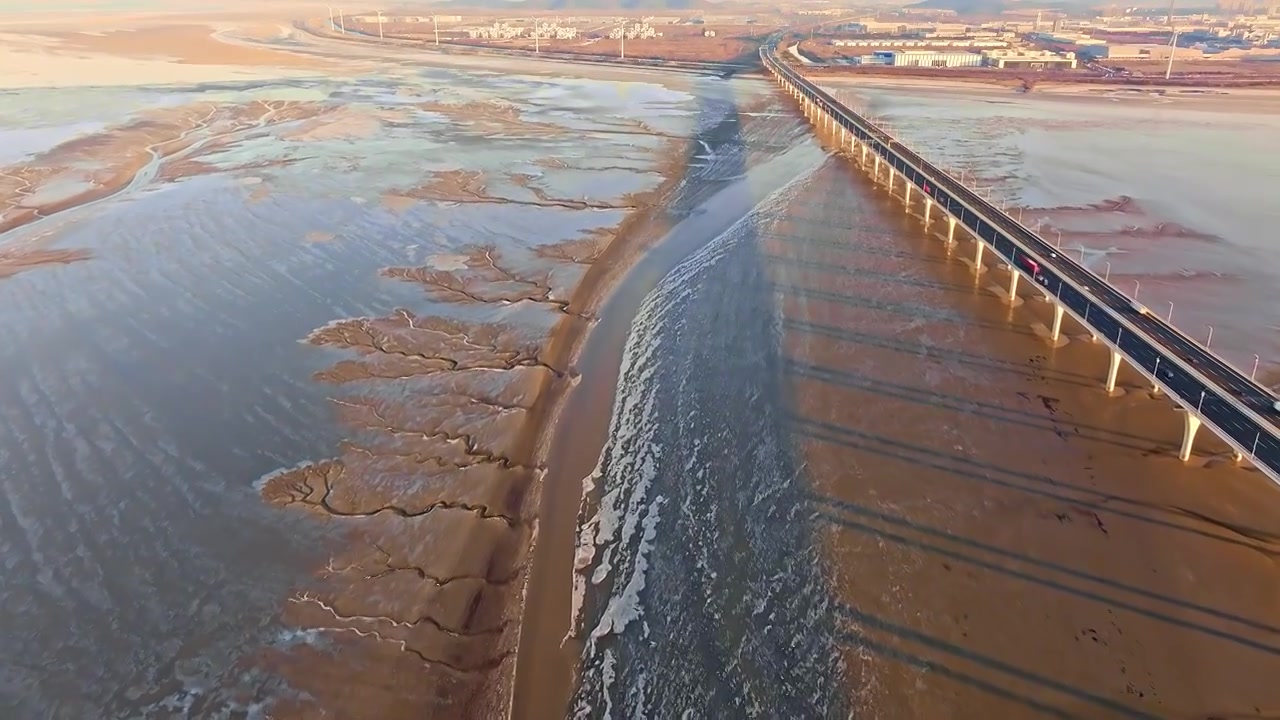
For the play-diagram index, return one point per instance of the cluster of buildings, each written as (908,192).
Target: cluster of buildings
(1198,37)
(496,31)
(898,43)
(634,31)
(1005,58)
(554,31)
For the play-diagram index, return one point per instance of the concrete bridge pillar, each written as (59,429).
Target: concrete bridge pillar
(951,232)
(893,173)
(1190,424)
(1057,322)
(864,154)
(906,199)
(1113,370)
(977,256)
(876,173)
(928,208)
(1013,284)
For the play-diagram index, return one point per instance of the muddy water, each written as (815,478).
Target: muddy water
(147,390)
(1172,197)
(843,477)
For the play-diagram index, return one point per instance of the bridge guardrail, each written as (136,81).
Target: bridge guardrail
(1016,226)
(1019,236)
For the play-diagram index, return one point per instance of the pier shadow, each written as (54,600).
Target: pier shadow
(975,485)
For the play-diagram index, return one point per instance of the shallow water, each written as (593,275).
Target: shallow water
(1200,174)
(149,387)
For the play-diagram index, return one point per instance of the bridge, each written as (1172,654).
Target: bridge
(1208,390)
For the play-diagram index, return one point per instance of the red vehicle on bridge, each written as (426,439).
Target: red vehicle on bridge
(1032,266)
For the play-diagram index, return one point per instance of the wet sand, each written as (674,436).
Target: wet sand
(164,144)
(1002,538)
(673,229)
(440,373)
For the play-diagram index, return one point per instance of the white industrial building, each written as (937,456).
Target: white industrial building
(1029,59)
(925,58)
(921,44)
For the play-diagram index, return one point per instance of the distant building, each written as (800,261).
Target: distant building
(922,44)
(1141,52)
(1029,59)
(926,58)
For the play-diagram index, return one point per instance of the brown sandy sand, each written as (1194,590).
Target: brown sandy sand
(104,163)
(493,117)
(1250,100)
(192,44)
(14,260)
(1004,539)
(471,186)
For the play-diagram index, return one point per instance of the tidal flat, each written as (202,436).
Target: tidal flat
(274,351)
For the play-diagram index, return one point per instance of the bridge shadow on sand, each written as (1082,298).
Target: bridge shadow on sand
(1002,538)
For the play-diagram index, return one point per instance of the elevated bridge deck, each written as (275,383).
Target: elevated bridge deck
(1209,390)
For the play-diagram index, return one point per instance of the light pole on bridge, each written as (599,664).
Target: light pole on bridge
(1169,319)
(1209,341)
(379,24)
(1254,374)
(1059,232)
(1136,286)
(1107,276)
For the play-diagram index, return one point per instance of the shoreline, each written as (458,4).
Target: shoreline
(565,457)
(1055,88)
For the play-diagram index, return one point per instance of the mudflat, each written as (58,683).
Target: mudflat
(1003,538)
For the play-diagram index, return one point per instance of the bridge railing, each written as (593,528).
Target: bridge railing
(1015,227)
(1229,417)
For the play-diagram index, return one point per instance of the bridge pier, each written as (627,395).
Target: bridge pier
(875,175)
(977,256)
(951,230)
(1013,285)
(864,154)
(1190,424)
(893,173)
(1056,332)
(928,207)
(906,199)
(1113,370)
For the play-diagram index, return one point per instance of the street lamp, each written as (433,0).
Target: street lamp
(1136,285)
(1107,276)
(1169,319)
(1254,374)
(1059,232)
(1209,341)
(379,24)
